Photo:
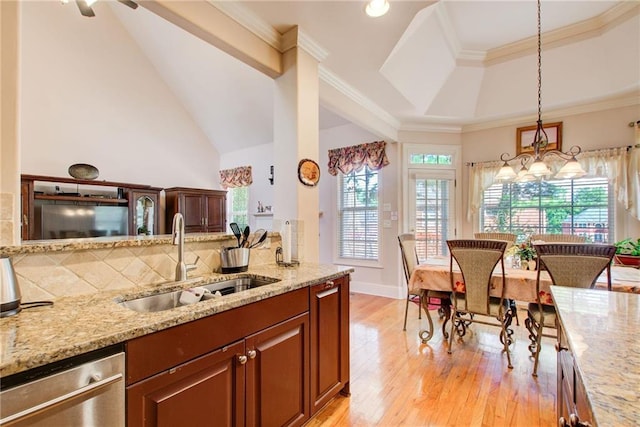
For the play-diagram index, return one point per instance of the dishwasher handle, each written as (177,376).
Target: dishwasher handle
(91,387)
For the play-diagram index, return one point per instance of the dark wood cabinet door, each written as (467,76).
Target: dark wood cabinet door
(216,213)
(207,391)
(193,212)
(329,320)
(277,384)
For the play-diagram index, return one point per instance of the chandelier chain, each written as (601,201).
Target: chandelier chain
(539,65)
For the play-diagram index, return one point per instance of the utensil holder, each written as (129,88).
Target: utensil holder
(234,260)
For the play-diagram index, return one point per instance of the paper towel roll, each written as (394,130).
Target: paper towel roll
(286,242)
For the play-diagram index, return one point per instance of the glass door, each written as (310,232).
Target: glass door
(432,211)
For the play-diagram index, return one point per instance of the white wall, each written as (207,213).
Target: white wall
(89,95)
(384,279)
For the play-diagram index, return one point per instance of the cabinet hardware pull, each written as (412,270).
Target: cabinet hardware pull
(252,354)
(242,359)
(25,219)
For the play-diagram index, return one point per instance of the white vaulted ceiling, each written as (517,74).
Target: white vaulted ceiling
(425,65)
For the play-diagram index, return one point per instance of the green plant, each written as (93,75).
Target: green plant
(628,246)
(526,251)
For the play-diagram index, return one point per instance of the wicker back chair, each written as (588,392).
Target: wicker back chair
(507,237)
(568,264)
(558,238)
(477,260)
(410,260)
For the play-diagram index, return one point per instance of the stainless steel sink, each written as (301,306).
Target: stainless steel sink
(169,300)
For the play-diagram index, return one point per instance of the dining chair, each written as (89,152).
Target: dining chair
(510,238)
(558,238)
(409,255)
(477,259)
(507,237)
(568,264)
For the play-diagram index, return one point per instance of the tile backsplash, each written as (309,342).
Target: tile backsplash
(47,275)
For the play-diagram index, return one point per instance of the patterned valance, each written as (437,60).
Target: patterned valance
(236,177)
(354,158)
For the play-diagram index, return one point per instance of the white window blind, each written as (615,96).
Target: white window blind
(358,230)
(581,206)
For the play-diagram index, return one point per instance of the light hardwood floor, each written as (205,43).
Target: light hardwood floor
(397,381)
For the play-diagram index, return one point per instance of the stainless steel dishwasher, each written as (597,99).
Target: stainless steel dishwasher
(79,392)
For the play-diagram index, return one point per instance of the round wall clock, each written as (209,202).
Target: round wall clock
(308,172)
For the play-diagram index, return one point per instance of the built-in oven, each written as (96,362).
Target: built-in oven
(82,391)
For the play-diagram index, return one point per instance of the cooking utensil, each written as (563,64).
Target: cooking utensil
(83,171)
(236,231)
(262,233)
(245,236)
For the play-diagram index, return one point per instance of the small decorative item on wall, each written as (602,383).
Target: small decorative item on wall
(525,137)
(308,172)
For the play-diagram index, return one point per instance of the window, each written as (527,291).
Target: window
(431,159)
(580,206)
(238,205)
(358,228)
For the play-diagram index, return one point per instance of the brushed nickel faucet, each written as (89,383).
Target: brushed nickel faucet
(177,229)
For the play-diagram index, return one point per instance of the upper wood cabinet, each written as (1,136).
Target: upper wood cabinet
(203,210)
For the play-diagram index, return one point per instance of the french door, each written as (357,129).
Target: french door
(432,211)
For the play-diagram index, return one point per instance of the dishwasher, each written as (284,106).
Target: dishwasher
(82,391)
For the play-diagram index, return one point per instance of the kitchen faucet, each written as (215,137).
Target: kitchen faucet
(177,229)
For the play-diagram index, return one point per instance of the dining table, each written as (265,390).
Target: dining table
(520,284)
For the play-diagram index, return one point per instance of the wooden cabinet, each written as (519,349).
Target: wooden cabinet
(573,406)
(246,366)
(203,210)
(38,191)
(329,315)
(143,212)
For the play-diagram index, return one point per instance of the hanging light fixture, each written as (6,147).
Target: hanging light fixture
(377,8)
(86,10)
(537,168)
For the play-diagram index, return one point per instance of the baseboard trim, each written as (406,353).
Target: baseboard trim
(378,290)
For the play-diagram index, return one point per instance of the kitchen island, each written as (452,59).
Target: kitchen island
(599,356)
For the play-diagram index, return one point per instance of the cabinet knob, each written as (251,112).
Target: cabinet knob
(330,284)
(242,359)
(252,354)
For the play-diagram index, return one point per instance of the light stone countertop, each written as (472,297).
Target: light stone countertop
(602,331)
(76,325)
(61,245)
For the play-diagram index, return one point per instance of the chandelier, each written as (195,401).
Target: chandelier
(533,166)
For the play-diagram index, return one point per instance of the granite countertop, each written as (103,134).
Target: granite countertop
(61,245)
(602,332)
(76,325)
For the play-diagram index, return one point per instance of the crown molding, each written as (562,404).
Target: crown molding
(430,127)
(623,99)
(356,96)
(253,23)
(583,30)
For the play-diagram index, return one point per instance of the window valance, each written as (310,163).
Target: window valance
(621,166)
(236,177)
(354,158)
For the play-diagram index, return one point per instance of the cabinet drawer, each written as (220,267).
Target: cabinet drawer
(162,350)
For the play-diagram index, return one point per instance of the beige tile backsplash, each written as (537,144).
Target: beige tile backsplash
(56,274)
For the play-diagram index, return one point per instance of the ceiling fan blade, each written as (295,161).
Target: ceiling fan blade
(85,10)
(131,4)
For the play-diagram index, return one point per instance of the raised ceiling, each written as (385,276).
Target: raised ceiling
(424,65)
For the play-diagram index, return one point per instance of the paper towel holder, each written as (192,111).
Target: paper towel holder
(280,262)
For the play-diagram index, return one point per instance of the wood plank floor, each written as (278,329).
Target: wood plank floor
(397,381)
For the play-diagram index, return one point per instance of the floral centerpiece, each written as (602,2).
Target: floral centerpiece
(527,255)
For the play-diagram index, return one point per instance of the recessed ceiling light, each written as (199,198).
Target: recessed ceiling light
(377,8)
